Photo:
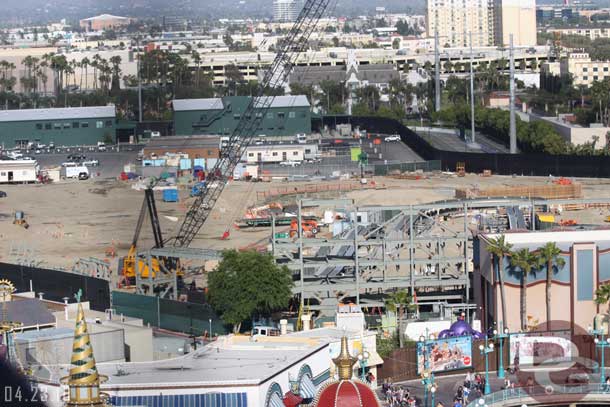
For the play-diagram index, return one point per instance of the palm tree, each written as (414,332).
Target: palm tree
(602,295)
(499,248)
(85,64)
(549,254)
(397,302)
(525,261)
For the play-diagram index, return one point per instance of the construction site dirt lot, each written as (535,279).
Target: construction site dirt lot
(73,220)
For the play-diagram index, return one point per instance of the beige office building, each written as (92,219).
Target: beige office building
(584,71)
(490,21)
(517,17)
(455,19)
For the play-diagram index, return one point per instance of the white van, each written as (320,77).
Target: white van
(79,172)
(302,138)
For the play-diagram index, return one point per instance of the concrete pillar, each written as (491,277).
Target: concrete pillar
(306,319)
(283,326)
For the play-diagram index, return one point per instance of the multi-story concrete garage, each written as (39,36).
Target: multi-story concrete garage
(287,115)
(61,126)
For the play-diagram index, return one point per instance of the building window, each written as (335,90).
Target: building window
(84,124)
(295,153)
(275,154)
(250,154)
(281,115)
(605,69)
(47,126)
(210,152)
(585,78)
(75,125)
(38,126)
(595,78)
(99,124)
(585,69)
(57,125)
(108,123)
(66,125)
(270,115)
(584,275)
(236,116)
(307,151)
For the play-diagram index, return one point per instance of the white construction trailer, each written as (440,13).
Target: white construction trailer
(18,171)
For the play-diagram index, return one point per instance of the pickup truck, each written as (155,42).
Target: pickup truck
(91,163)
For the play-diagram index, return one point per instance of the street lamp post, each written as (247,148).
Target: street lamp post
(426,374)
(486,350)
(363,357)
(210,332)
(601,342)
(501,335)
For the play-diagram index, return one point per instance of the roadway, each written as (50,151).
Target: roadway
(111,162)
(450,141)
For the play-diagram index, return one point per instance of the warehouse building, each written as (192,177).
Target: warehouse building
(287,115)
(63,126)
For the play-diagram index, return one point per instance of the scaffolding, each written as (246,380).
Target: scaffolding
(425,249)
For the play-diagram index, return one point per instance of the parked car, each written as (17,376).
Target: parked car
(38,151)
(28,158)
(91,163)
(76,157)
(393,137)
(2,194)
(290,163)
(83,176)
(313,160)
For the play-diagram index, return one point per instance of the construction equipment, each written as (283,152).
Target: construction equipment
(206,195)
(20,220)
(308,226)
(130,261)
(563,181)
(295,42)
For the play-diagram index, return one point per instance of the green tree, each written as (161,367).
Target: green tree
(602,295)
(398,302)
(500,248)
(550,255)
(248,284)
(525,261)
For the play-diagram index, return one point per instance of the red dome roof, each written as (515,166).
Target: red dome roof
(346,393)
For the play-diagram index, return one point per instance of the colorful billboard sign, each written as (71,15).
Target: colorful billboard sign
(445,354)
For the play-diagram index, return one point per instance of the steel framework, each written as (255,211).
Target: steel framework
(422,248)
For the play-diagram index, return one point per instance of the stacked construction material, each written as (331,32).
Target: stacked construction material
(550,191)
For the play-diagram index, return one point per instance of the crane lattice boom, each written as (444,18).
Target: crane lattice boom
(294,43)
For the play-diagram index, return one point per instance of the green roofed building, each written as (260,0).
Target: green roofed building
(62,126)
(287,115)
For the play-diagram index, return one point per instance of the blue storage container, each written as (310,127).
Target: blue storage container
(199,162)
(170,195)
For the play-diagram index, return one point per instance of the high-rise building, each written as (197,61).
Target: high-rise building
(455,19)
(286,10)
(490,21)
(516,17)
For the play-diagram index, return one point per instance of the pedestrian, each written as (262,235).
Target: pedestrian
(459,394)
(466,394)
(468,380)
(370,378)
(607,384)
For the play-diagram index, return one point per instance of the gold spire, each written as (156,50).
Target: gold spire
(345,362)
(84,380)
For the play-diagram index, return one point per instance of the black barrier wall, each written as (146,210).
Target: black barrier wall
(504,164)
(56,284)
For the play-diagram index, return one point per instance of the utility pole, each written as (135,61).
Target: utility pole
(437,77)
(513,124)
(472,91)
(139,80)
